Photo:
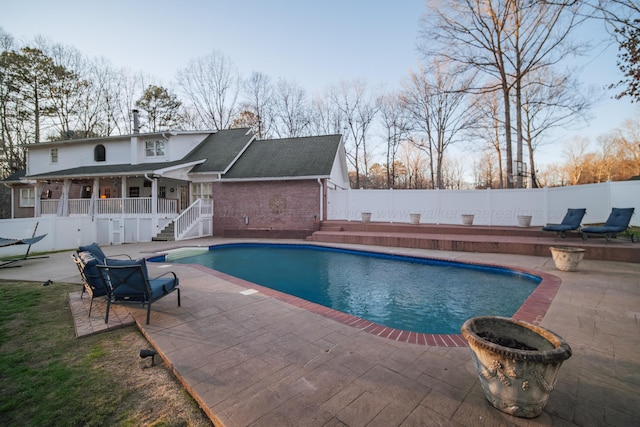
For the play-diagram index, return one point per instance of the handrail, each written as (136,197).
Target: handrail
(191,216)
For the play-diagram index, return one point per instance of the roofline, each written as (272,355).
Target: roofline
(240,153)
(118,137)
(283,178)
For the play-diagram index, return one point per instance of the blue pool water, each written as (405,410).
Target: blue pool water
(413,294)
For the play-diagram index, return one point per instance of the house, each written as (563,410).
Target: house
(183,184)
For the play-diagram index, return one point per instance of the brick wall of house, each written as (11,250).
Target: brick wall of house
(266,209)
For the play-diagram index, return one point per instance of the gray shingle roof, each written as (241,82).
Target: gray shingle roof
(291,157)
(102,170)
(219,150)
(262,159)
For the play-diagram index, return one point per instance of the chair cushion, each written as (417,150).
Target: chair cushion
(135,288)
(91,274)
(620,218)
(162,286)
(94,249)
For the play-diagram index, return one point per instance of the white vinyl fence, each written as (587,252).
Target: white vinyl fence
(489,207)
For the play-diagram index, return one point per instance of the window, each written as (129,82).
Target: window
(99,153)
(54,155)
(27,197)
(154,148)
(134,191)
(162,192)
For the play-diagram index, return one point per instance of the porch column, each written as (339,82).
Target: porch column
(37,211)
(64,200)
(95,194)
(154,196)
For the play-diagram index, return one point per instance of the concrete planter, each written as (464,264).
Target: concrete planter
(414,218)
(517,362)
(467,219)
(366,217)
(566,258)
(524,220)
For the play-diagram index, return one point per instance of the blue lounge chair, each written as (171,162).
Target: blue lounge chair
(129,282)
(617,222)
(571,221)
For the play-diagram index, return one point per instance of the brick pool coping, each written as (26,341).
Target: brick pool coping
(532,310)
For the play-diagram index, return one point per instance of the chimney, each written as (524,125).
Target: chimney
(136,122)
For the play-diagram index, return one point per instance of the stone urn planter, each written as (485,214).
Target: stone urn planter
(524,220)
(566,258)
(467,219)
(414,218)
(517,362)
(366,217)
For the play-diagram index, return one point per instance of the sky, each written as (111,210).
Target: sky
(316,43)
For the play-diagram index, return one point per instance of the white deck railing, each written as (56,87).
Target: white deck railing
(192,216)
(49,207)
(122,206)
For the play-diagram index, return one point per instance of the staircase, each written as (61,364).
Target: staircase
(166,235)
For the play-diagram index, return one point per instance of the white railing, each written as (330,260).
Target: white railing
(125,206)
(49,207)
(198,212)
(169,206)
(79,206)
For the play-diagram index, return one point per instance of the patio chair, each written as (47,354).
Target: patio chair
(618,222)
(129,282)
(571,221)
(86,258)
(97,252)
(91,281)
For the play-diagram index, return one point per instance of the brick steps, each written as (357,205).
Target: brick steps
(484,239)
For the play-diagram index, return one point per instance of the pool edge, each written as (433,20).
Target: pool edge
(532,310)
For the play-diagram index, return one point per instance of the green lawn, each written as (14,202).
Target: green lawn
(50,377)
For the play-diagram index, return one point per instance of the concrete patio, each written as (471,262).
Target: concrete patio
(252,359)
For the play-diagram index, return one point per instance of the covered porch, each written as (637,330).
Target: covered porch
(108,196)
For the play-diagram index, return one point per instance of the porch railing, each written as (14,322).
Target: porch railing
(49,207)
(123,206)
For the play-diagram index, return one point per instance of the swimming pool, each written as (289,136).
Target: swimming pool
(408,293)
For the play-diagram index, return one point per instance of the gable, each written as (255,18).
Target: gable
(219,150)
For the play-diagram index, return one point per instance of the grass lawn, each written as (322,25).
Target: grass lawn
(50,377)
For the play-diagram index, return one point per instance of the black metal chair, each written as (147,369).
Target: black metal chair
(129,283)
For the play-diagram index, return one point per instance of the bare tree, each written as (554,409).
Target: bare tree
(548,101)
(291,109)
(436,98)
(506,40)
(575,151)
(212,85)
(396,123)
(358,109)
(259,92)
(325,116)
(486,109)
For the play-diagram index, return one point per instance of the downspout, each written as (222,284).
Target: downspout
(321,200)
